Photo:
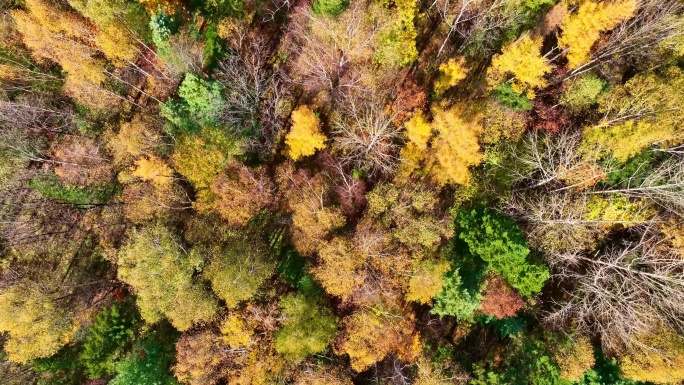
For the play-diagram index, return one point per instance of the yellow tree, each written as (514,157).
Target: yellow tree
(133,140)
(150,189)
(161,273)
(170,6)
(661,363)
(371,334)
(35,326)
(418,132)
(574,357)
(341,268)
(60,36)
(450,74)
(154,170)
(197,161)
(583,29)
(643,111)
(455,147)
(427,281)
(305,135)
(521,63)
(118,22)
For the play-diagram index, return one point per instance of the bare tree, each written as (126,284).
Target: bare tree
(554,160)
(35,114)
(475,21)
(365,135)
(624,291)
(254,93)
(332,53)
(454,16)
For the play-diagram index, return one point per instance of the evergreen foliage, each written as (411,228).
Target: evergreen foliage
(499,241)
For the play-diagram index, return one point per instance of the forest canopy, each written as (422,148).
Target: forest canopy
(337,192)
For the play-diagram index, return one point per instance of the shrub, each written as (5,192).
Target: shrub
(50,187)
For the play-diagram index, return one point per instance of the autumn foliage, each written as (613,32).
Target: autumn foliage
(337,192)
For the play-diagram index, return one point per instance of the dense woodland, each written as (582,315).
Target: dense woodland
(341,192)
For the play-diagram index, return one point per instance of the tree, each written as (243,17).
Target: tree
(574,356)
(583,29)
(499,241)
(106,339)
(427,281)
(200,358)
(134,139)
(622,291)
(409,99)
(161,272)
(661,363)
(455,146)
(154,170)
(636,115)
(418,131)
(308,199)
(251,357)
(255,94)
(396,45)
(308,328)
(642,38)
(454,300)
(322,375)
(35,325)
(117,36)
(80,162)
(201,100)
(237,270)
(365,136)
(54,34)
(450,74)
(337,54)
(198,161)
(239,193)
(582,92)
(370,335)
(169,6)
(557,223)
(148,363)
(524,360)
(305,135)
(520,63)
(150,190)
(411,214)
(340,270)
(499,299)
(511,98)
